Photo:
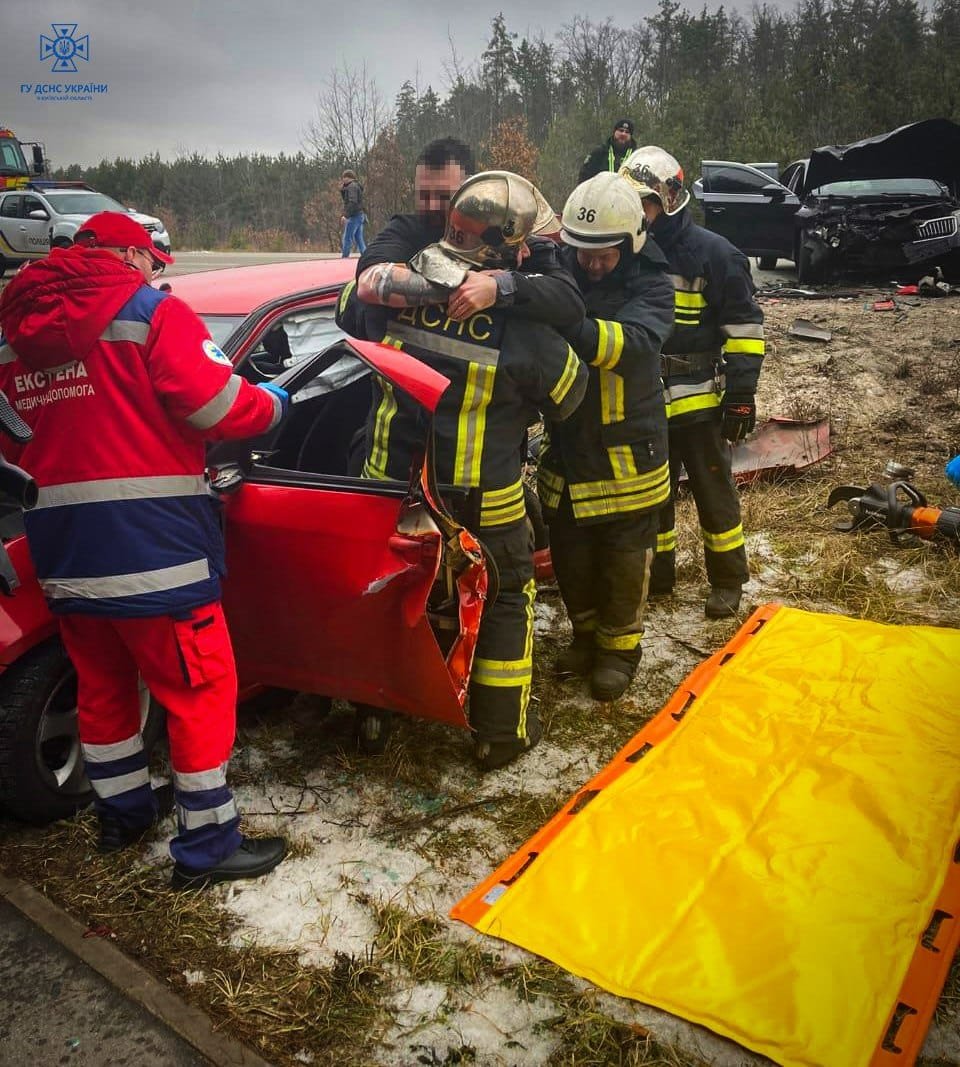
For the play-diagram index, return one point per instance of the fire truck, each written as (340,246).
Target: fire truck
(15,171)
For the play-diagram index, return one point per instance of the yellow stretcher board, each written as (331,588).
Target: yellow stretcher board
(776,855)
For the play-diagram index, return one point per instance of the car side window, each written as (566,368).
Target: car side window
(10,208)
(737,180)
(293,338)
(793,176)
(31,203)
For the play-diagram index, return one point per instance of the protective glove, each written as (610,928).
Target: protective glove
(738,416)
(280,393)
(952,471)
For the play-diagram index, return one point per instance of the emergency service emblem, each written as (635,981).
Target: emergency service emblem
(64,49)
(211,351)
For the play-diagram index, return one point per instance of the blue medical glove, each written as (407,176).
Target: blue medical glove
(952,471)
(282,395)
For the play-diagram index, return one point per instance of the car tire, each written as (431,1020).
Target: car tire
(767,262)
(41,768)
(61,242)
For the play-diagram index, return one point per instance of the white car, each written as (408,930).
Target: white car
(40,217)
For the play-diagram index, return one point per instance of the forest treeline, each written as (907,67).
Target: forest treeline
(764,86)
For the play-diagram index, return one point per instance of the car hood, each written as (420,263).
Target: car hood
(928,149)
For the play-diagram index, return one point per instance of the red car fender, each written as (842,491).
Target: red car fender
(25,619)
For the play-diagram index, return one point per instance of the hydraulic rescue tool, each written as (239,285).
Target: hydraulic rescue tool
(901,509)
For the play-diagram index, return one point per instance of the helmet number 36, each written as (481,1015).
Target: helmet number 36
(586,214)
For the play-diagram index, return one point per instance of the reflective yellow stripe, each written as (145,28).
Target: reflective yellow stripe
(686,404)
(584,490)
(750,345)
(569,376)
(393,342)
(619,643)
(621,461)
(377,460)
(667,542)
(689,301)
(502,673)
(471,424)
(498,507)
(611,397)
(609,344)
(345,296)
(723,542)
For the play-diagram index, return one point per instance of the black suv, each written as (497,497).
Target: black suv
(887,203)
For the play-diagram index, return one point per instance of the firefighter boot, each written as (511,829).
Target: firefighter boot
(723,602)
(612,672)
(577,658)
(374,727)
(116,834)
(492,755)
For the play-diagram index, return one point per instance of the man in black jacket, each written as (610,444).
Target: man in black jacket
(611,154)
(711,364)
(353,218)
(604,474)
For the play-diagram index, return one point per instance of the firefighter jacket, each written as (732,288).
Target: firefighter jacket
(607,156)
(121,384)
(542,289)
(503,372)
(717,342)
(612,452)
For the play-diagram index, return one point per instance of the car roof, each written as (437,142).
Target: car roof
(238,290)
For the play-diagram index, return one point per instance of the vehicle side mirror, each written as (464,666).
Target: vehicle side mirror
(776,192)
(39,214)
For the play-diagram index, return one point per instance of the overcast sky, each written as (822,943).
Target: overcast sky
(190,75)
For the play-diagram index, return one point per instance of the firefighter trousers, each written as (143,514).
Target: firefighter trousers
(500,708)
(700,450)
(187,665)
(603,570)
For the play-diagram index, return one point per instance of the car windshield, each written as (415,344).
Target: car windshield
(82,203)
(221,326)
(883,187)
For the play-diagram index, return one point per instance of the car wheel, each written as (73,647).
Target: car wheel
(42,776)
(767,262)
(810,267)
(61,242)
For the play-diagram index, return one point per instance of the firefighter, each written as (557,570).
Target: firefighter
(121,385)
(539,288)
(604,473)
(503,370)
(711,364)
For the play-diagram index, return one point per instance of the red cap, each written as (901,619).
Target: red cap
(113,229)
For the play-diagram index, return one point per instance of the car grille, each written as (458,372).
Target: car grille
(945,227)
(151,226)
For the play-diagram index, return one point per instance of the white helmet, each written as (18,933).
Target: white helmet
(603,211)
(654,172)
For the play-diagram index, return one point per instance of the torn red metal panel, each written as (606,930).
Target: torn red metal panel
(781,445)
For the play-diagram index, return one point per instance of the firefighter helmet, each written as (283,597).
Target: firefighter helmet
(491,215)
(603,211)
(654,172)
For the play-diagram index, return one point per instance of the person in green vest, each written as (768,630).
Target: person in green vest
(610,154)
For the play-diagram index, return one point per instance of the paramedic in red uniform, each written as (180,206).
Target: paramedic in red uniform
(122,385)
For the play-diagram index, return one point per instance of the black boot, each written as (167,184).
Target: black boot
(723,603)
(577,658)
(116,834)
(254,857)
(492,755)
(612,673)
(374,727)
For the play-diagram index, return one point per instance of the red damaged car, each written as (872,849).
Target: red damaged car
(362,590)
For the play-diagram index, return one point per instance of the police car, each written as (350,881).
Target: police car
(45,215)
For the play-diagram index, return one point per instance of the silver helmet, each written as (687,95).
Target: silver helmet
(654,172)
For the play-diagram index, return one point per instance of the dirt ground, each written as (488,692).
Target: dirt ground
(345,953)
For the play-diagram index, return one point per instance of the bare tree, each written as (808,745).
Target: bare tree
(350,116)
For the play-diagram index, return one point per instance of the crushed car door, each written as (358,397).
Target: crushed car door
(343,586)
(749,208)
